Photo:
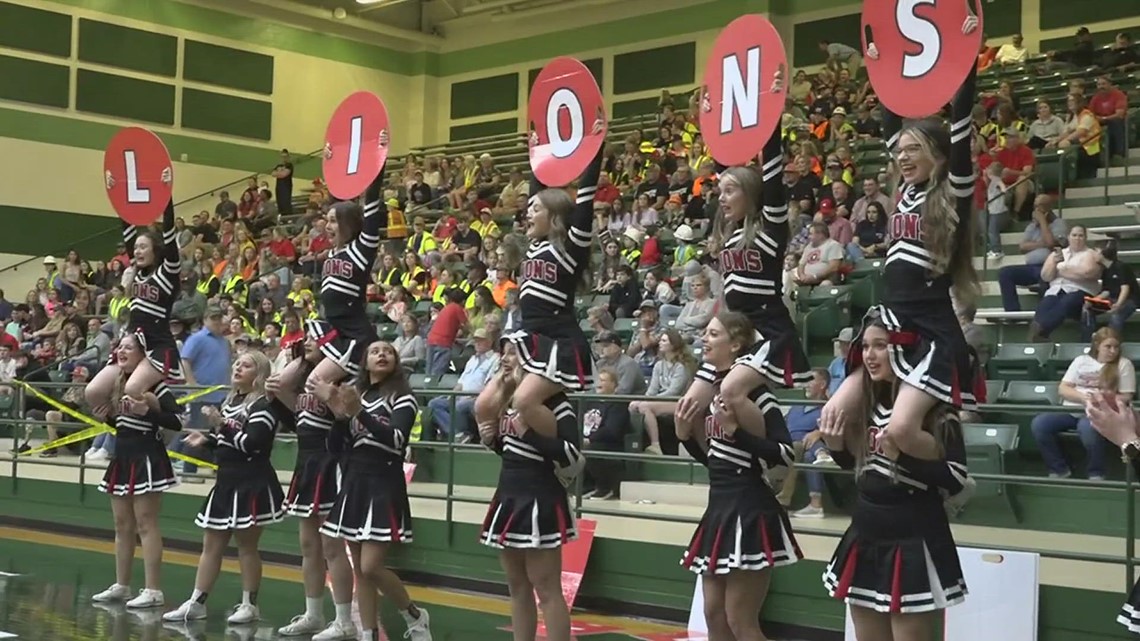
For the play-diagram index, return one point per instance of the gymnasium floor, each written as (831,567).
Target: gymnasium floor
(46,583)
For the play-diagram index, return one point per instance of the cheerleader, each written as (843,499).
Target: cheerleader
(529,518)
(552,348)
(931,251)
(1119,423)
(749,239)
(137,475)
(246,496)
(153,288)
(312,492)
(744,532)
(897,564)
(371,511)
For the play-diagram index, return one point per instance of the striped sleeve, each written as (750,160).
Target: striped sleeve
(363,248)
(581,227)
(961,161)
(256,434)
(168,416)
(563,449)
(172,260)
(394,430)
(775,205)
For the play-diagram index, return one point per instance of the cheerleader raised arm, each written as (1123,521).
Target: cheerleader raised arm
(930,253)
(152,294)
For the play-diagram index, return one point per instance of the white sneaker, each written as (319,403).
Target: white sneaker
(244,613)
(114,593)
(302,624)
(147,599)
(823,457)
(188,611)
(809,512)
(992,255)
(338,631)
(418,630)
(98,456)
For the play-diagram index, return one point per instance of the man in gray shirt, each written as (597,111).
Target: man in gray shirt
(630,378)
(1044,233)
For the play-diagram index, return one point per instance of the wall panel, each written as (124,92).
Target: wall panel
(36,30)
(483,96)
(655,68)
(225,114)
(129,98)
(226,67)
(144,51)
(480,129)
(34,82)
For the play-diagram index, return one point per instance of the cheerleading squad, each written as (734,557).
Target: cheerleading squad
(894,420)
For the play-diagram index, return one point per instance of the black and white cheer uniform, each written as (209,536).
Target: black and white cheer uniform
(140,464)
(317,472)
(152,294)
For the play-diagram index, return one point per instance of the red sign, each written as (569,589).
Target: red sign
(409,470)
(567,121)
(356,144)
(138,175)
(680,635)
(923,50)
(577,629)
(743,90)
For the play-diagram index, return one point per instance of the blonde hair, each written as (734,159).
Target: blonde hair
(263,367)
(559,206)
(752,187)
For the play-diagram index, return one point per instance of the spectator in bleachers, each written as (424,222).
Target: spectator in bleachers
(1042,235)
(657,288)
(1122,55)
(1119,287)
(655,187)
(610,355)
(1046,130)
(870,239)
(996,211)
(865,125)
(872,193)
(986,54)
(625,294)
(1083,130)
(696,313)
(1110,106)
(632,239)
(409,345)
(807,441)
(646,337)
(1083,52)
(644,215)
(837,369)
(671,375)
(1012,53)
(800,88)
(832,213)
(606,276)
(451,322)
(477,372)
(821,259)
(1103,371)
(839,191)
(1071,274)
(1018,164)
(975,336)
(604,426)
(841,56)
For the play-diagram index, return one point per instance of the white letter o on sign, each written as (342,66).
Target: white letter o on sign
(563,147)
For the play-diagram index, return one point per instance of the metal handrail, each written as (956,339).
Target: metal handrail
(305,158)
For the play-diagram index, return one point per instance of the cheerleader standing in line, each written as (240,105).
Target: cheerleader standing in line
(552,348)
(312,492)
(529,518)
(152,291)
(137,475)
(897,564)
(744,532)
(931,251)
(246,496)
(372,512)
(750,253)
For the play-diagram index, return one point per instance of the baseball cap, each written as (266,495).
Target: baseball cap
(49,260)
(607,337)
(846,335)
(839,111)
(826,205)
(479,333)
(648,303)
(213,311)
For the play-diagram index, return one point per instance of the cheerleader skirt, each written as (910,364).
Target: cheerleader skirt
(897,558)
(371,506)
(928,352)
(247,495)
(1129,616)
(347,351)
(737,532)
(315,485)
(528,520)
(566,360)
(777,355)
(138,468)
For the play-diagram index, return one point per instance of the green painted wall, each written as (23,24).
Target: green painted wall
(625,571)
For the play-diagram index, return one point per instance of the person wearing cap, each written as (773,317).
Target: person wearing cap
(477,372)
(631,240)
(1018,163)
(421,241)
(644,342)
(631,378)
(685,250)
(484,224)
(397,225)
(465,241)
(1083,52)
(837,368)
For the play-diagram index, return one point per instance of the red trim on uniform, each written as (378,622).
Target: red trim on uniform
(506,528)
(397,536)
(114,476)
(955,388)
(896,582)
(766,542)
(715,549)
(906,339)
(253,508)
(317,492)
(788,380)
(581,368)
(131,484)
(561,517)
(292,493)
(854,358)
(692,551)
(327,338)
(534,346)
(848,575)
(491,509)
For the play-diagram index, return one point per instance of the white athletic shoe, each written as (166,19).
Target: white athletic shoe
(147,599)
(244,613)
(418,629)
(302,624)
(337,631)
(188,611)
(112,594)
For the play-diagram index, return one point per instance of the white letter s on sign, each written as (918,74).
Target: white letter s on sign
(921,32)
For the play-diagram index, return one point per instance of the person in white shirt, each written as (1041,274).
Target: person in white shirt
(821,259)
(1101,371)
(1072,273)
(1012,53)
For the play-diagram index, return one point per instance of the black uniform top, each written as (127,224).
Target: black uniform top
(884,481)
(910,287)
(753,273)
(379,432)
(314,423)
(347,270)
(550,275)
(529,458)
(246,433)
(154,290)
(129,427)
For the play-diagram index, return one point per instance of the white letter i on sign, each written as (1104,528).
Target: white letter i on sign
(354,146)
(740,91)
(135,194)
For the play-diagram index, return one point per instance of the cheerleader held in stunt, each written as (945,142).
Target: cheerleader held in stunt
(931,251)
(744,532)
(372,512)
(152,293)
(897,564)
(138,474)
(750,236)
(554,352)
(312,492)
(529,518)
(246,496)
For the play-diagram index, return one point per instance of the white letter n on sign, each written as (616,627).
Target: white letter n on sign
(741,91)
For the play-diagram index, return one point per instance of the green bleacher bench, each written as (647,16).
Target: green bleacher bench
(423,381)
(387,331)
(624,327)
(815,296)
(866,268)
(422,308)
(1063,355)
(1019,361)
(994,390)
(1031,393)
(446,382)
(1004,435)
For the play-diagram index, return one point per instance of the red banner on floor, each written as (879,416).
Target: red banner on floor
(575,554)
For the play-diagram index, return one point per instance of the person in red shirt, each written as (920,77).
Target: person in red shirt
(445,329)
(607,192)
(1109,104)
(1018,162)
